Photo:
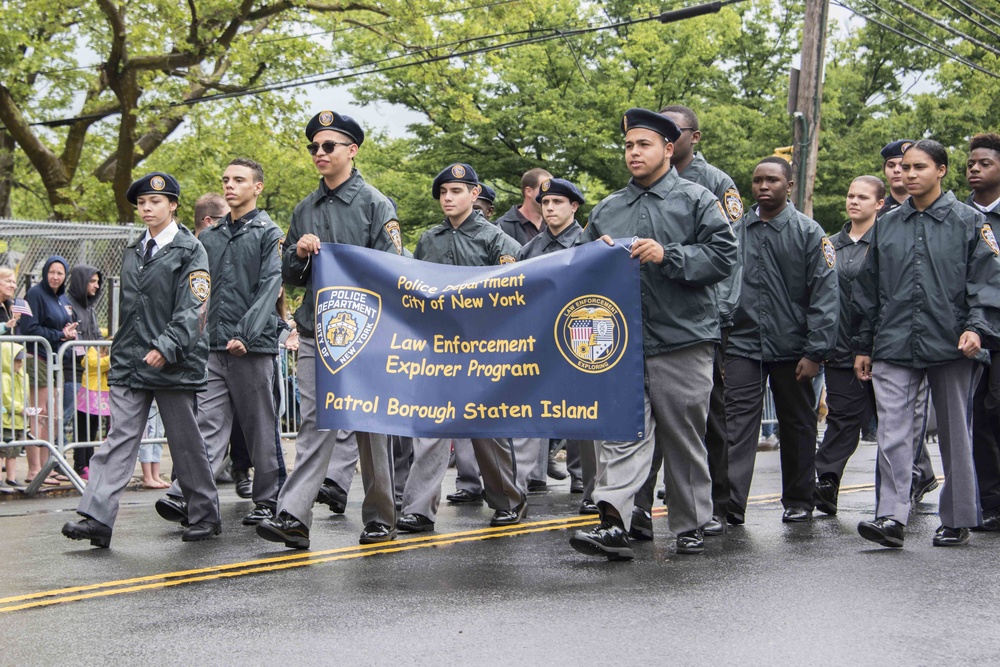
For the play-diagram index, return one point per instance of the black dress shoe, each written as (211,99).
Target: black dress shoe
(285,528)
(826,494)
(89,529)
(991,521)
(203,530)
(334,497)
(258,514)
(883,530)
(414,523)
(734,519)
(244,483)
(464,496)
(951,537)
(796,515)
(537,486)
(588,507)
(172,509)
(510,517)
(556,468)
(376,532)
(606,540)
(691,542)
(920,488)
(641,529)
(576,485)
(717,526)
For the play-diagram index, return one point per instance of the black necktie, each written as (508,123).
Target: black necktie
(150,244)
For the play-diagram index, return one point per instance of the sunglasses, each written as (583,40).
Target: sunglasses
(327,146)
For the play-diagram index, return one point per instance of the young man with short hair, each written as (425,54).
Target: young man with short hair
(208,210)
(523,222)
(243,257)
(464,238)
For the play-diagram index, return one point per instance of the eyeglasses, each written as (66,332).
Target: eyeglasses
(686,128)
(327,146)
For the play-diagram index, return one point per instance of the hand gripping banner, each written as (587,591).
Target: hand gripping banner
(549,348)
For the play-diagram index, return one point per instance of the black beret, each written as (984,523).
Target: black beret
(488,193)
(895,149)
(156,183)
(561,187)
(456,173)
(650,120)
(328,120)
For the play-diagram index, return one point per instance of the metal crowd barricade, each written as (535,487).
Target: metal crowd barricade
(769,416)
(34,382)
(289,414)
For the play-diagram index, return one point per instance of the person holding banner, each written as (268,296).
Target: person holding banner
(344,209)
(560,202)
(465,238)
(160,351)
(685,246)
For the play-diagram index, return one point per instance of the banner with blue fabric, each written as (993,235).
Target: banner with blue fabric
(550,347)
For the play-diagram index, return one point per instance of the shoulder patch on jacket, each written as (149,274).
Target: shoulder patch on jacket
(734,205)
(201,284)
(507,259)
(829,253)
(990,239)
(392,229)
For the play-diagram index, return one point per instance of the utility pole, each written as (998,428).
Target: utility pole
(807,103)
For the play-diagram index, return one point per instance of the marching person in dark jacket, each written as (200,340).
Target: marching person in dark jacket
(243,258)
(928,301)
(160,352)
(685,246)
(851,401)
(343,209)
(51,320)
(784,327)
(983,175)
(86,284)
(523,222)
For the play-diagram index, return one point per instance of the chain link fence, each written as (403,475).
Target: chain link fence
(25,245)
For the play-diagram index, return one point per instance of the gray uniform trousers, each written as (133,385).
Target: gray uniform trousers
(113,463)
(952,386)
(677,389)
(402,458)
(343,460)
(581,461)
(312,457)
(468,469)
(501,487)
(532,455)
(242,386)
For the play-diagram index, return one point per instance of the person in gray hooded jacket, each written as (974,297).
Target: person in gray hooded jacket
(86,285)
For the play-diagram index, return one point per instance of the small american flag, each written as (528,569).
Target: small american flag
(20,307)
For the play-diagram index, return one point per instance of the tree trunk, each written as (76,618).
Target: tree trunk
(6,173)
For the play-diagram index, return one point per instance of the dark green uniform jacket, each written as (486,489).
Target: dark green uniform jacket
(354,213)
(678,302)
(929,277)
(545,243)
(850,260)
(518,227)
(476,242)
(722,186)
(790,305)
(246,276)
(164,307)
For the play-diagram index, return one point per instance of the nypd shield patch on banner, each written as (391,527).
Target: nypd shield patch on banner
(418,349)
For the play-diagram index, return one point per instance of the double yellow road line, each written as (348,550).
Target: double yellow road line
(304,558)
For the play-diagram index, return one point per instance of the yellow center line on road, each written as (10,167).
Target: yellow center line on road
(300,559)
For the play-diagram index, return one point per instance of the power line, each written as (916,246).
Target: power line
(552,34)
(933,47)
(944,26)
(970,19)
(981,12)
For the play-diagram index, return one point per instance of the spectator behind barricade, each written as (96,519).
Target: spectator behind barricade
(93,398)
(288,339)
(11,309)
(15,407)
(149,453)
(85,286)
(208,210)
(51,320)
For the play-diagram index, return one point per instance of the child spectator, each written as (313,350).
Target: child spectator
(15,389)
(149,454)
(92,398)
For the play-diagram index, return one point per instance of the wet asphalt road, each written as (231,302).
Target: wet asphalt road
(766,593)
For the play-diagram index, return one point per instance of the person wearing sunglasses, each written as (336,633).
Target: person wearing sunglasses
(343,209)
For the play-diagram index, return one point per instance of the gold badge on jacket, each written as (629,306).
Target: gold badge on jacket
(201,284)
